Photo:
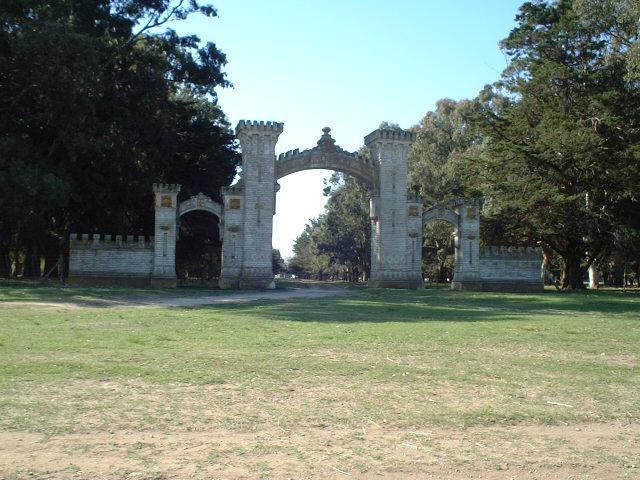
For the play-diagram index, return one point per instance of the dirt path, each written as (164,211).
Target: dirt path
(196,300)
(592,451)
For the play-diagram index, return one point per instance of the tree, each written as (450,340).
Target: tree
(447,143)
(307,261)
(277,261)
(617,20)
(344,230)
(94,108)
(563,128)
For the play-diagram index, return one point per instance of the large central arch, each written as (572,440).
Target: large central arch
(327,156)
(249,205)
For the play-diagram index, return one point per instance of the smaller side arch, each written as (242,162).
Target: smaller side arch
(440,212)
(200,202)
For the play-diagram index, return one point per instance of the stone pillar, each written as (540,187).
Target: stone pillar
(164,254)
(414,238)
(232,231)
(258,143)
(467,245)
(391,260)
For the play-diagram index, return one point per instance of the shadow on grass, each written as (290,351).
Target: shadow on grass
(33,291)
(374,305)
(362,305)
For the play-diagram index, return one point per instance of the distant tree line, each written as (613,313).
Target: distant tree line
(98,100)
(336,245)
(553,147)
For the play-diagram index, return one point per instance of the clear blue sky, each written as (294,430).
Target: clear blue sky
(348,65)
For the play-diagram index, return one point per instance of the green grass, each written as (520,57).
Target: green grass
(408,359)
(25,291)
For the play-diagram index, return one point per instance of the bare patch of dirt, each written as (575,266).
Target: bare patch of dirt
(594,451)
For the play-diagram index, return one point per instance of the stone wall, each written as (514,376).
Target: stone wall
(510,269)
(110,259)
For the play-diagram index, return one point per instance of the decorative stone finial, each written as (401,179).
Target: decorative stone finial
(326,142)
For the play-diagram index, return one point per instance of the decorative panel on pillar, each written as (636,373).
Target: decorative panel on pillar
(164,256)
(233,244)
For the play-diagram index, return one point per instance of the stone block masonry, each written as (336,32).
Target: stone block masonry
(511,269)
(110,260)
(246,222)
(166,234)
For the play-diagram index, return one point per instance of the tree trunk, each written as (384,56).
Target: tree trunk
(5,263)
(35,260)
(27,265)
(546,267)
(594,276)
(31,264)
(572,273)
(618,274)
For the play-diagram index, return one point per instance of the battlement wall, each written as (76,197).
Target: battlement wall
(110,256)
(259,126)
(166,188)
(511,269)
(403,136)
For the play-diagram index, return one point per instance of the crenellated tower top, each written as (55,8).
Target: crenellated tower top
(255,126)
(258,137)
(166,188)
(391,136)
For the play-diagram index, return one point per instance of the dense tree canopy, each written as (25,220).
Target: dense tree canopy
(94,108)
(563,128)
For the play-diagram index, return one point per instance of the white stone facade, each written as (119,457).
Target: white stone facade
(250,204)
(488,268)
(246,222)
(96,258)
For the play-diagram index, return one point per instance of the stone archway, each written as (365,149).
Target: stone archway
(246,222)
(249,205)
(167,215)
(464,215)
(198,248)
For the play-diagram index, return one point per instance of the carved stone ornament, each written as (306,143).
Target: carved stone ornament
(471,213)
(234,204)
(166,201)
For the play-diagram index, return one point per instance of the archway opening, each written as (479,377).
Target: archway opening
(198,249)
(329,237)
(438,252)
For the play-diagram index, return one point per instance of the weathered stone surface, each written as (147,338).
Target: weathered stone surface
(395,259)
(246,222)
(100,257)
(326,155)
(511,269)
(166,208)
(488,268)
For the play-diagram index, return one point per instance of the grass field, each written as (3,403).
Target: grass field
(379,383)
